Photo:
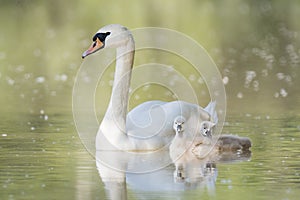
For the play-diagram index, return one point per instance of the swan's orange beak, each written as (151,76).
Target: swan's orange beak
(97,44)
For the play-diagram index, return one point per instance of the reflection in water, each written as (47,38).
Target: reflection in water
(194,174)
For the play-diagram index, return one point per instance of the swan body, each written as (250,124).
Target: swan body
(149,126)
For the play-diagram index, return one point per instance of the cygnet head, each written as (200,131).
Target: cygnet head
(110,36)
(178,124)
(206,128)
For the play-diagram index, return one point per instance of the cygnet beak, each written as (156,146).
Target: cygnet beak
(179,128)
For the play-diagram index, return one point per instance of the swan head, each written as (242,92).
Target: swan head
(110,36)
(206,128)
(178,124)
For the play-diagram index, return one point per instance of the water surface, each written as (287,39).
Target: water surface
(44,159)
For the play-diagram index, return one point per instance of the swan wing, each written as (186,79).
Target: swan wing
(150,119)
(211,109)
(154,119)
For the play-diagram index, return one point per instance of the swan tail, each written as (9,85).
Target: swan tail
(211,109)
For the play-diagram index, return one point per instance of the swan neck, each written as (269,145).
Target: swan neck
(117,110)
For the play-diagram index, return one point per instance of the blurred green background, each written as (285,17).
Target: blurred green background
(255,45)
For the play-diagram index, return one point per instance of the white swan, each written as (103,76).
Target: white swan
(149,125)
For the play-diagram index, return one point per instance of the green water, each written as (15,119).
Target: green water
(50,162)
(41,42)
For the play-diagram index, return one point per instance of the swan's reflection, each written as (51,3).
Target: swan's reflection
(118,174)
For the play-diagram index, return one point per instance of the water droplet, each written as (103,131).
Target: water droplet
(50,33)
(10,81)
(37,52)
(255,85)
(280,76)
(240,95)
(200,80)
(2,55)
(61,77)
(225,80)
(27,76)
(146,87)
(288,79)
(53,93)
(19,68)
(264,72)
(172,82)
(250,75)
(40,79)
(35,91)
(136,97)
(192,77)
(257,117)
(283,92)
(294,58)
